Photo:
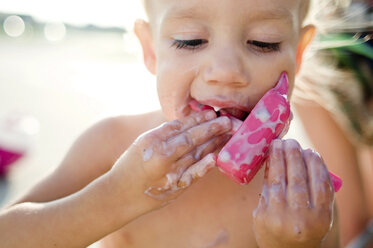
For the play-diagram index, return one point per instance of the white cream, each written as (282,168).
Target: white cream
(200,149)
(225,156)
(197,170)
(262,114)
(216,108)
(147,153)
(161,193)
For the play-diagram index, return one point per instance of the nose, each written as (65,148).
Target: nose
(226,67)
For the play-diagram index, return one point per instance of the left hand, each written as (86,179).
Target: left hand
(295,209)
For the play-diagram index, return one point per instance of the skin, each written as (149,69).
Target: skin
(137,198)
(348,160)
(295,204)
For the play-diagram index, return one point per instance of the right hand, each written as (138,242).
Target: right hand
(164,161)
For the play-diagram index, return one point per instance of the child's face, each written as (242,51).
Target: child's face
(222,53)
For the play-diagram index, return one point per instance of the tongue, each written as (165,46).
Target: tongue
(239,114)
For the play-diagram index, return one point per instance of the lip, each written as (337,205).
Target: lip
(224,104)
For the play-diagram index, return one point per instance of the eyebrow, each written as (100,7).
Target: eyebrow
(274,14)
(264,14)
(186,13)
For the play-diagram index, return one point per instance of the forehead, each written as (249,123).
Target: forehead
(287,10)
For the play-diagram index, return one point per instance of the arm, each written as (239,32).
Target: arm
(73,221)
(90,156)
(59,199)
(65,212)
(340,156)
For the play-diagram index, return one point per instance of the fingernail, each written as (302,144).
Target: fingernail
(225,121)
(292,144)
(276,144)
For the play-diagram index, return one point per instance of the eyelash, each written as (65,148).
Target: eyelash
(264,47)
(188,44)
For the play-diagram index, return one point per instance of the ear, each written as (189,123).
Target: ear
(307,35)
(143,32)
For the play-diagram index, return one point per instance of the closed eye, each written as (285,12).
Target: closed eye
(188,44)
(264,47)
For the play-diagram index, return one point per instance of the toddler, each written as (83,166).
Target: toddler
(119,182)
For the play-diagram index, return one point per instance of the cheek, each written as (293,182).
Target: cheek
(269,70)
(265,73)
(173,86)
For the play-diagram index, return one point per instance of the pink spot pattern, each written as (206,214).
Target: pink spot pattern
(248,147)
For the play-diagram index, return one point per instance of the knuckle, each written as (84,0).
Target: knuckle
(276,179)
(188,138)
(297,180)
(294,154)
(173,125)
(181,140)
(276,154)
(299,192)
(276,188)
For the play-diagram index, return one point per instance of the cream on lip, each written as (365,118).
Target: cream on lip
(224,104)
(197,105)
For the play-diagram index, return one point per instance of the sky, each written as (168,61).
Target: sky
(80,12)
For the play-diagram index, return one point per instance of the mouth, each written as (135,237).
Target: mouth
(221,109)
(237,113)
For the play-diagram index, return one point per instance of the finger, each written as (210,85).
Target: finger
(201,151)
(297,189)
(187,141)
(197,170)
(263,203)
(264,195)
(180,166)
(175,127)
(321,189)
(276,179)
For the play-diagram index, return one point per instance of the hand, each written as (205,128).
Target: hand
(169,158)
(296,204)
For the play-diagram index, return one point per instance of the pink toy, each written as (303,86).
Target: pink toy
(16,132)
(336,181)
(243,155)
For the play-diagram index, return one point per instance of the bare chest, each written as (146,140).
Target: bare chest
(214,212)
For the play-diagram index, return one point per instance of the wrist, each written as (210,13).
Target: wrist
(126,192)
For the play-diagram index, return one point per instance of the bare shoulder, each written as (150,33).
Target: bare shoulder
(340,155)
(322,127)
(117,133)
(92,154)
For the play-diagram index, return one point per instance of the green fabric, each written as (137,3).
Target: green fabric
(355,55)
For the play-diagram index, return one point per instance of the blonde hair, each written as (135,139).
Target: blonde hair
(322,81)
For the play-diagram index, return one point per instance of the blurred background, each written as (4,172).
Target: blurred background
(63,66)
